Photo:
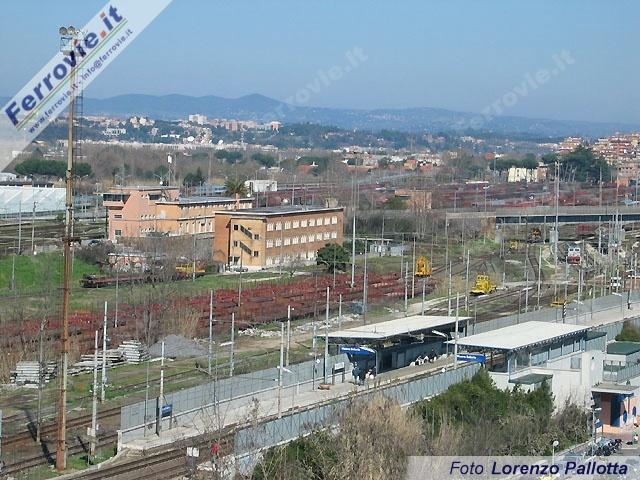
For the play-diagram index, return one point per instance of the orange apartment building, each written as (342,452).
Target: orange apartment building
(260,238)
(150,211)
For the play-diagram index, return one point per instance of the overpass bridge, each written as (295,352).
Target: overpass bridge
(542,215)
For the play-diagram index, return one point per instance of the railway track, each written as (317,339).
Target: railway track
(75,447)
(49,429)
(45,231)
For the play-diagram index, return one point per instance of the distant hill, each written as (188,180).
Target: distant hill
(261,108)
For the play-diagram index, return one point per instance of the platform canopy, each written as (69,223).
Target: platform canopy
(407,326)
(521,336)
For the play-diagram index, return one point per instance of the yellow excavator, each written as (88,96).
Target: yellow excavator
(483,286)
(423,267)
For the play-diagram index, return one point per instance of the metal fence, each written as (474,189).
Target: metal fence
(577,313)
(193,398)
(621,374)
(293,426)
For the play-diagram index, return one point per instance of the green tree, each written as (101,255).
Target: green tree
(264,160)
(191,179)
(395,203)
(334,257)
(228,156)
(51,168)
(235,187)
(629,333)
(587,166)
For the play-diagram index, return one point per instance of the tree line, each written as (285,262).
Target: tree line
(51,168)
(474,417)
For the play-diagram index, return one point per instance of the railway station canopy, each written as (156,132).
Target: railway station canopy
(523,335)
(16,200)
(396,329)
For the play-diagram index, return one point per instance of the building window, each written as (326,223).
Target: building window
(278,242)
(319,221)
(334,220)
(327,220)
(117,216)
(303,224)
(334,235)
(318,237)
(287,241)
(287,225)
(295,240)
(278,226)
(255,253)
(235,227)
(269,261)
(312,222)
(296,224)
(269,243)
(118,233)
(303,239)
(269,227)
(311,255)
(235,243)
(256,236)
(326,236)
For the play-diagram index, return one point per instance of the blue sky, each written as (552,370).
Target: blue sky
(454,54)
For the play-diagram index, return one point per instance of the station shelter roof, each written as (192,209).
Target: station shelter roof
(516,337)
(413,325)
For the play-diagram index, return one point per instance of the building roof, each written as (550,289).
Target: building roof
(614,388)
(623,348)
(281,210)
(393,328)
(198,200)
(520,336)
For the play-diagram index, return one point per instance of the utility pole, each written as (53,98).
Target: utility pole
(423,295)
(557,233)
(233,336)
(115,321)
(326,340)
(40,378)
(455,343)
(340,312)
(353,252)
(33,229)
(210,353)
(68,36)
(94,407)
(288,334)
(526,279)
(280,369)
(539,277)
(104,355)
(466,283)
(364,287)
(20,227)
(161,393)
(449,292)
(193,267)
(413,270)
(406,280)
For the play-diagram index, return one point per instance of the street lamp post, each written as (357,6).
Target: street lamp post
(68,37)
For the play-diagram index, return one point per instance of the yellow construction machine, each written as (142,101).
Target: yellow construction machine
(483,285)
(423,267)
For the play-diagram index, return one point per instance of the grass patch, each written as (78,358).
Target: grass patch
(35,273)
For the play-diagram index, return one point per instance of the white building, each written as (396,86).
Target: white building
(198,118)
(261,186)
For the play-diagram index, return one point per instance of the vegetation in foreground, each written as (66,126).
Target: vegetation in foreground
(471,418)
